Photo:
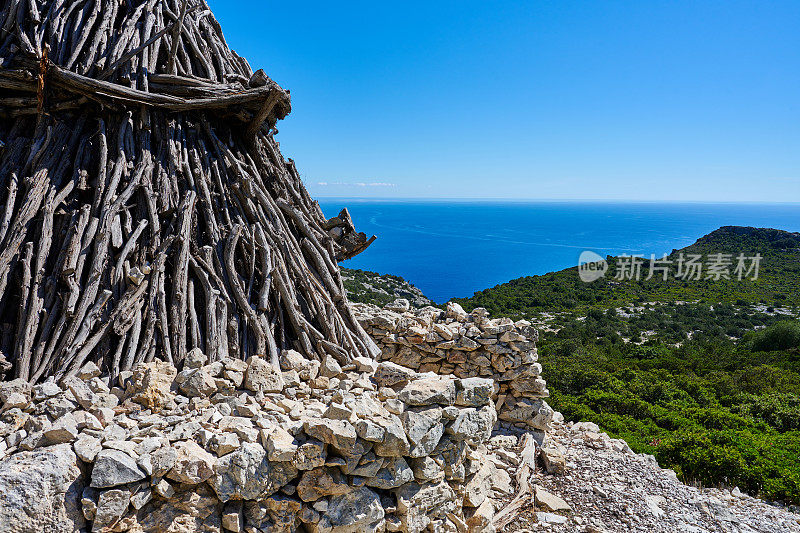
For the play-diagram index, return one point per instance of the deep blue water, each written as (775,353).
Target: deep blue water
(454,248)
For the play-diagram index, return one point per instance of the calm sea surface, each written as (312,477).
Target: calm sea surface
(454,248)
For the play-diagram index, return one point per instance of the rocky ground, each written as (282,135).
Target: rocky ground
(609,488)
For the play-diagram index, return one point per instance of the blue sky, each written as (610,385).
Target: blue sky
(640,100)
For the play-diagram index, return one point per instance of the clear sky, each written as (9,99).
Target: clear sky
(637,100)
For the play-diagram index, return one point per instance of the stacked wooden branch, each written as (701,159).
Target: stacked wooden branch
(145,207)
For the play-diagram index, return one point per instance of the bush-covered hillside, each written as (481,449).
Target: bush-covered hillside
(778,282)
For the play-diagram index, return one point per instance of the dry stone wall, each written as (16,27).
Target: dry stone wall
(240,446)
(466,345)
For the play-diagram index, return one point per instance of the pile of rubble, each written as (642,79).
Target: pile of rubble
(466,345)
(607,488)
(240,446)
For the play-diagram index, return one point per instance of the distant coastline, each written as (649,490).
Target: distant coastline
(455,247)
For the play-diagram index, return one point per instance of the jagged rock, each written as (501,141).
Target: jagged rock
(553,460)
(424,429)
(262,377)
(428,391)
(198,382)
(395,443)
(456,312)
(88,371)
(280,445)
(16,400)
(111,506)
(45,390)
(113,468)
(309,455)
(242,426)
(40,491)
(549,502)
(395,472)
(330,367)
(162,460)
(338,433)
(190,511)
(248,474)
(224,443)
(417,503)
(18,386)
(481,519)
(321,482)
(195,358)
(64,429)
(149,384)
(475,392)
(307,369)
(81,392)
(477,489)
(87,448)
(193,464)
(533,412)
(389,374)
(359,511)
(473,424)
(427,469)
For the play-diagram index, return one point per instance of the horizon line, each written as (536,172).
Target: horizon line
(548,200)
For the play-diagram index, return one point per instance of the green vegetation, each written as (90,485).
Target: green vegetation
(716,410)
(379,289)
(705,375)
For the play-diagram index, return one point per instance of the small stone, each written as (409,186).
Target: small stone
(45,390)
(149,384)
(309,455)
(395,472)
(389,374)
(224,443)
(550,518)
(550,502)
(330,367)
(241,426)
(113,467)
(475,392)
(162,460)
(193,465)
(18,385)
(195,358)
(16,400)
(261,376)
(198,383)
(111,506)
(338,411)
(359,510)
(338,433)
(280,445)
(63,430)
(88,371)
(429,391)
(81,391)
(553,460)
(164,489)
(87,448)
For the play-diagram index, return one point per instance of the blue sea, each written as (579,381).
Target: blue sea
(452,248)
